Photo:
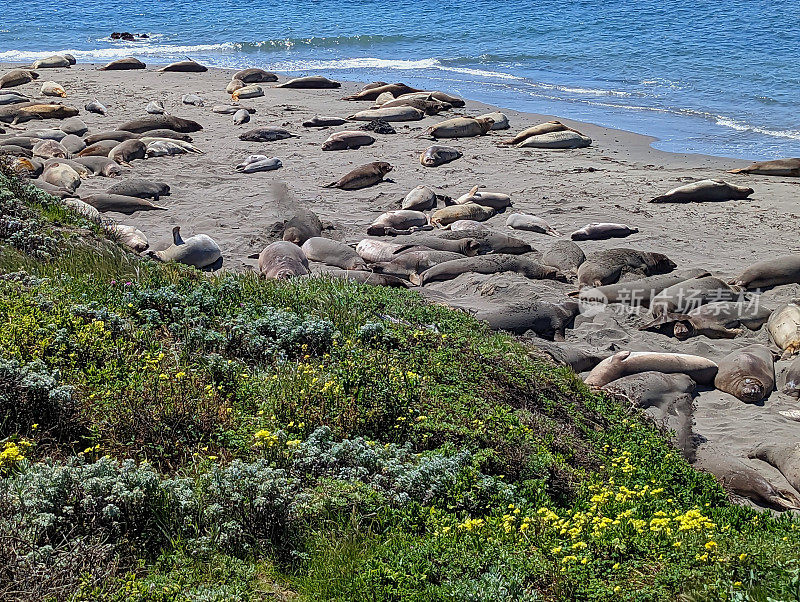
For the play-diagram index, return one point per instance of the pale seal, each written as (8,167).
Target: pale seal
(187,66)
(704,191)
(461,127)
(556,140)
(396,222)
(52,62)
(436,155)
(255,163)
(775,271)
(537,130)
(390,114)
(700,369)
(333,253)
(776,167)
(53,89)
(603,231)
(495,200)
(95,106)
(128,236)
(200,251)
(125,64)
(472,211)
(783,327)
(530,223)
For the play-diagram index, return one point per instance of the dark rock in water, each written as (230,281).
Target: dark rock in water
(379,126)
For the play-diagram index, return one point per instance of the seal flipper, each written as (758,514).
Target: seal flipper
(176,236)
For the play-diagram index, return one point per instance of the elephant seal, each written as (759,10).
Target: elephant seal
(748,374)
(187,66)
(565,256)
(100,166)
(231,109)
(607,266)
(323,122)
(253,75)
(472,211)
(100,148)
(373,93)
(537,130)
(62,176)
(487,264)
(556,140)
(50,134)
(333,253)
(495,200)
(266,133)
(776,167)
(791,381)
(116,136)
(159,147)
(624,363)
(461,127)
(719,320)
(157,122)
(254,163)
(412,263)
(27,142)
(74,144)
(436,155)
(120,203)
(783,456)
(783,327)
(24,166)
(140,188)
(192,99)
(125,152)
(572,355)
(428,105)
(704,191)
(52,190)
(304,224)
(530,223)
(200,251)
(282,260)
(479,242)
(546,320)
(95,106)
(53,89)
(81,170)
(379,251)
(690,294)
(347,140)
(16,151)
(400,221)
(84,210)
(125,64)
(312,82)
(241,117)
(744,481)
(368,277)
(667,398)
(129,236)
(771,272)
(390,114)
(468,224)
(362,177)
(17,77)
(12,98)
(28,112)
(465,246)
(420,198)
(74,125)
(56,61)
(499,120)
(436,95)
(603,231)
(248,91)
(50,148)
(233,85)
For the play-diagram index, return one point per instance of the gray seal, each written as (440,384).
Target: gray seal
(546,320)
(347,140)
(565,256)
(157,122)
(603,231)
(775,271)
(437,155)
(362,176)
(254,75)
(304,224)
(282,260)
(125,64)
(399,221)
(776,167)
(120,203)
(266,133)
(187,66)
(704,191)
(125,152)
(140,188)
(606,267)
(333,253)
(488,264)
(748,374)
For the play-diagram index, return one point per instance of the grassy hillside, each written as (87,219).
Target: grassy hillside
(169,435)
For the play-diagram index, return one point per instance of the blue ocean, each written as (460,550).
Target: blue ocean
(719,78)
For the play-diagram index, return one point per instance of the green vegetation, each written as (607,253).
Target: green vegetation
(168,435)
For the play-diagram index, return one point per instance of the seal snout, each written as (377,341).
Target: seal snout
(752,391)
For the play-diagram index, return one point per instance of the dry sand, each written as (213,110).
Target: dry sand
(610,181)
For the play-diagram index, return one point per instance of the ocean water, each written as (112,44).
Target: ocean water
(720,77)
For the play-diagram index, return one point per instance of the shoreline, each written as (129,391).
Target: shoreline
(647,140)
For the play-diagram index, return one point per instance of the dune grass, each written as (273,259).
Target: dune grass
(170,435)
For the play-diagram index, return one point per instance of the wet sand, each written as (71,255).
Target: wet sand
(610,181)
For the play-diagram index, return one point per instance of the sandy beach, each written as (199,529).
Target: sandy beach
(610,181)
